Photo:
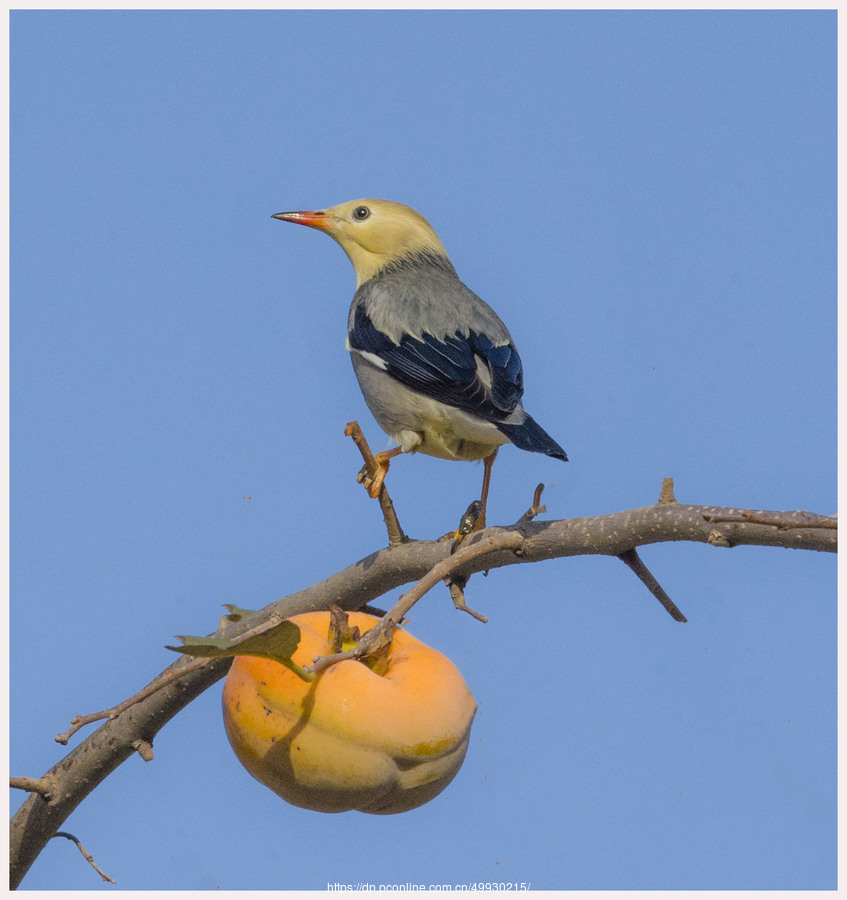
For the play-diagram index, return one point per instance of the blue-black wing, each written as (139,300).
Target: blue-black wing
(446,368)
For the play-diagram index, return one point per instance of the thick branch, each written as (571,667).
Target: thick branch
(136,724)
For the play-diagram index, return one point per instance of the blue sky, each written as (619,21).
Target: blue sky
(648,199)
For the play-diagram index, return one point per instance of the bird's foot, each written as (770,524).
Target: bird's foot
(472,520)
(373,476)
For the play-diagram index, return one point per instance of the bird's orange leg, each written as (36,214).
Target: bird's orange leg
(380,470)
(488,462)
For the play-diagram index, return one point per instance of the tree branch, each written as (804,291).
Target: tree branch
(88,857)
(634,561)
(134,724)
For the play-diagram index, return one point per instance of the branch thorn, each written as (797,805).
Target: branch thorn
(633,560)
(666,495)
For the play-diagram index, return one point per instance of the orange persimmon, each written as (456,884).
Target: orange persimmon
(352,738)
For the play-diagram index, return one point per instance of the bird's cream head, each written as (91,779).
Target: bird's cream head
(372,233)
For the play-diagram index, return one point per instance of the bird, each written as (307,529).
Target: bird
(437,366)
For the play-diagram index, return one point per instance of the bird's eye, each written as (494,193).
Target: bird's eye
(361,212)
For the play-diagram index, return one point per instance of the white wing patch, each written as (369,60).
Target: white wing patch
(372,358)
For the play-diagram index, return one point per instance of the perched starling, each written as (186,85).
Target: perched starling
(437,366)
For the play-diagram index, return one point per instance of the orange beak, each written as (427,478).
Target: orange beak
(314,219)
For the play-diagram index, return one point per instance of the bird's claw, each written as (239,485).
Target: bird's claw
(472,520)
(373,480)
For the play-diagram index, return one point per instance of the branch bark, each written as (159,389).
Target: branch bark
(136,724)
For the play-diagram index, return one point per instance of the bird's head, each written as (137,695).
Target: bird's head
(372,233)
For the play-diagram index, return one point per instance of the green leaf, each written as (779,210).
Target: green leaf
(277,643)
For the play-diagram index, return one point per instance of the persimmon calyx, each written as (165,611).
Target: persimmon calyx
(341,636)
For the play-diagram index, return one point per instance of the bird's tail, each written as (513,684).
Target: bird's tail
(529,435)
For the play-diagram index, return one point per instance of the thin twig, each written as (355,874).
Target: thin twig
(87,855)
(396,535)
(534,510)
(167,677)
(162,680)
(41,786)
(456,584)
(633,560)
(507,540)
